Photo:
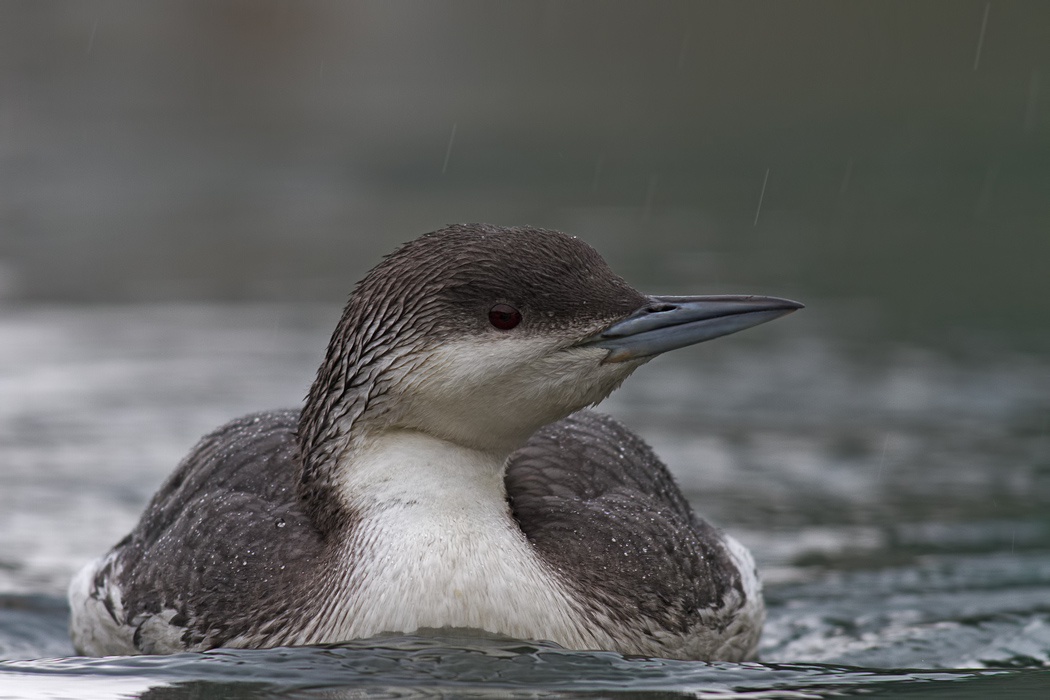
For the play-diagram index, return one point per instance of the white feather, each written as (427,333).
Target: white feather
(438,547)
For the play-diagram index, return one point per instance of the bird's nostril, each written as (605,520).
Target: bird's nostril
(657,308)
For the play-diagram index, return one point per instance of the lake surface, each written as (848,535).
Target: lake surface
(895,497)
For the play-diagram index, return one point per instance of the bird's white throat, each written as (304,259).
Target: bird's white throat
(421,475)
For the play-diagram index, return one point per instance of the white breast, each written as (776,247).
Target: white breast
(437,547)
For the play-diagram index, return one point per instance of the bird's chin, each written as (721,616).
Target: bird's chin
(596,381)
(493,396)
(615,375)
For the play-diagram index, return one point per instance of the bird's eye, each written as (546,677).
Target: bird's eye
(504,317)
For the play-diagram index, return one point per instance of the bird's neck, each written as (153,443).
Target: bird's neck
(416,472)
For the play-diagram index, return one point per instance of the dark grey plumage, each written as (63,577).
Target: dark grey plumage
(593,498)
(224,542)
(602,509)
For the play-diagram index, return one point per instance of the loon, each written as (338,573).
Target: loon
(444,472)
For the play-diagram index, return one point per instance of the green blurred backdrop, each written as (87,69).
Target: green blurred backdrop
(888,160)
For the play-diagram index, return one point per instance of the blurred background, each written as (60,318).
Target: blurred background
(272,150)
(189,190)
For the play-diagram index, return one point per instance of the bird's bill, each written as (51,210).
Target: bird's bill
(669,323)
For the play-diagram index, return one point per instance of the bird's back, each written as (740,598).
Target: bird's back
(604,512)
(217,558)
(224,555)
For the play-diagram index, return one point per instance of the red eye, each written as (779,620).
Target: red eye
(504,317)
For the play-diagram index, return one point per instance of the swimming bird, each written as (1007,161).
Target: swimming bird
(444,473)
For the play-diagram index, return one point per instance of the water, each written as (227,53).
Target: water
(886,163)
(894,496)
(420,666)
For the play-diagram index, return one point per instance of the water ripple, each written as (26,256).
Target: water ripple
(413,666)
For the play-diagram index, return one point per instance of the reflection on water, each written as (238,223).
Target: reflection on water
(475,667)
(894,497)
